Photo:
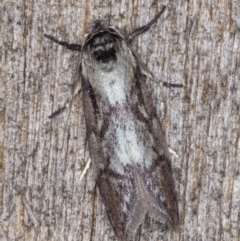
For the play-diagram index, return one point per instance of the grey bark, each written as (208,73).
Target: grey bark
(196,43)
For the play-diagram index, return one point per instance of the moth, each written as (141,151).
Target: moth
(126,142)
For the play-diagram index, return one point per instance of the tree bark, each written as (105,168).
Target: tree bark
(195,43)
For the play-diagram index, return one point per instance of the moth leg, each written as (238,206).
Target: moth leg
(59,111)
(144,28)
(169,85)
(68,103)
(76,47)
(85,169)
(173,152)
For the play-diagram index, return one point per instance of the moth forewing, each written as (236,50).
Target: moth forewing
(126,143)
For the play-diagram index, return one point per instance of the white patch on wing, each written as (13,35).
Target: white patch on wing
(129,148)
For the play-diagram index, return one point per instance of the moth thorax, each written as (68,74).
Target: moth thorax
(103,47)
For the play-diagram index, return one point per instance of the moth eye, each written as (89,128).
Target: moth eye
(103,48)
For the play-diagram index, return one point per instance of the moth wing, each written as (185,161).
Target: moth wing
(132,188)
(119,195)
(118,190)
(155,179)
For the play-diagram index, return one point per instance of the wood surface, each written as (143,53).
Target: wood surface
(195,43)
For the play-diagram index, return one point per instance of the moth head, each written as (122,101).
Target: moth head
(96,27)
(103,40)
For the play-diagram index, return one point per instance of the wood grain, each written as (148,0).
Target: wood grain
(196,43)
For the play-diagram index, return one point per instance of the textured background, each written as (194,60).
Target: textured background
(196,43)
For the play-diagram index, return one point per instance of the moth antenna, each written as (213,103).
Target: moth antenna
(76,47)
(144,28)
